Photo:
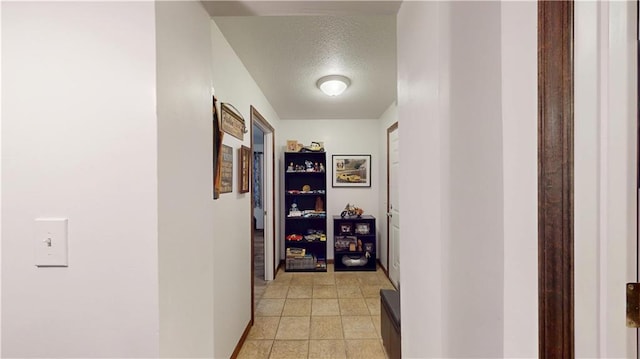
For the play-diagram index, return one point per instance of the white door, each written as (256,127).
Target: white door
(269,211)
(393,210)
(605,176)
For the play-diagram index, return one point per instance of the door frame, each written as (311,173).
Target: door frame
(555,179)
(390,129)
(258,120)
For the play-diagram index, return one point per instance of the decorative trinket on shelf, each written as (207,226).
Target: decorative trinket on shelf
(309,166)
(351,210)
(294,211)
(319,204)
(314,147)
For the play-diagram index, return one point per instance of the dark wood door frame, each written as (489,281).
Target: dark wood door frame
(555,179)
(256,117)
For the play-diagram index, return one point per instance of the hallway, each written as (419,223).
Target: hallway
(318,315)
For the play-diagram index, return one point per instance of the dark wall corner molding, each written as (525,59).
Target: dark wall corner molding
(555,179)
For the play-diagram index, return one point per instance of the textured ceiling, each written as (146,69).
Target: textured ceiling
(286,55)
(301,7)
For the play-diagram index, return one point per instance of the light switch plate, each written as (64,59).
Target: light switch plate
(51,242)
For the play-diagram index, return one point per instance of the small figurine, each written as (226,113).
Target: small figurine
(293,211)
(316,168)
(319,204)
(321,167)
(351,210)
(290,168)
(309,165)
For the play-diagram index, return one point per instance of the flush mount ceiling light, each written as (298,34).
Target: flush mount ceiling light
(333,85)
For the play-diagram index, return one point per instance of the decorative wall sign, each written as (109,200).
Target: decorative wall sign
(232,122)
(244,166)
(226,185)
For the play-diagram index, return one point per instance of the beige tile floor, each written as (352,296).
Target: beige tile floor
(318,315)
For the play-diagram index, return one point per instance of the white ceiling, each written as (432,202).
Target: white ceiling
(286,55)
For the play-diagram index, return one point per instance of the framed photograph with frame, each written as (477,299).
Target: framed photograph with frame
(244,169)
(362,228)
(226,171)
(351,171)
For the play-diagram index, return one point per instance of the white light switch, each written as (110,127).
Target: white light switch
(51,242)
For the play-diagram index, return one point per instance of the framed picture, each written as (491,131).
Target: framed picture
(217,150)
(345,243)
(368,247)
(226,170)
(345,228)
(244,169)
(362,228)
(292,146)
(351,170)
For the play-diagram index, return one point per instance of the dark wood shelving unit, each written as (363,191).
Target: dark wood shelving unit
(354,243)
(305,185)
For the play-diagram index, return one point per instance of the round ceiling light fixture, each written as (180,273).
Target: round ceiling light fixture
(333,85)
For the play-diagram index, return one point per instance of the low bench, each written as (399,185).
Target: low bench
(390,322)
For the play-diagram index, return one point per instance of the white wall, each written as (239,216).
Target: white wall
(232,218)
(0,179)
(185,196)
(474,253)
(79,141)
(520,156)
(456,104)
(605,176)
(357,137)
(388,118)
(422,121)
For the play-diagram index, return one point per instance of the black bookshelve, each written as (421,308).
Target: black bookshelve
(305,197)
(354,243)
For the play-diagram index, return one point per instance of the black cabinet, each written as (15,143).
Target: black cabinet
(305,199)
(354,243)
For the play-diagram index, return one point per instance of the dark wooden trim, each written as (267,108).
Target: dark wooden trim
(264,123)
(236,351)
(389,130)
(253,229)
(257,117)
(555,179)
(386,272)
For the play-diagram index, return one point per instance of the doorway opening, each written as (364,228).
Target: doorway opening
(259,281)
(262,206)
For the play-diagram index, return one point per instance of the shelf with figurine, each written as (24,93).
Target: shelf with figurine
(305,193)
(354,240)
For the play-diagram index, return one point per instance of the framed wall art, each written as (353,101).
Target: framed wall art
(226,170)
(362,228)
(351,171)
(217,151)
(244,169)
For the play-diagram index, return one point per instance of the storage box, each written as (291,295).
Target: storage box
(307,262)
